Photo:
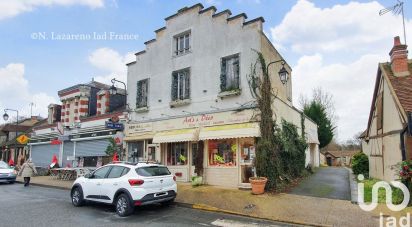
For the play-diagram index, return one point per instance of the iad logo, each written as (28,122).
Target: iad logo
(388,190)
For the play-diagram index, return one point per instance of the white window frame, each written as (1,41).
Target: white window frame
(182,43)
(181,84)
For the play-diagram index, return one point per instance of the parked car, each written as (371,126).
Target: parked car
(126,185)
(7,173)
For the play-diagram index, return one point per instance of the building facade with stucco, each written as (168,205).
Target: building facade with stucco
(189,95)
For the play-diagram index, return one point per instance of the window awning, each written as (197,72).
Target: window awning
(180,135)
(230,131)
(143,136)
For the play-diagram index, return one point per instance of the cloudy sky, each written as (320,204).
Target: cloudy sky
(335,45)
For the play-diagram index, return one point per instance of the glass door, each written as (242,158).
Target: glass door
(247,154)
(153,152)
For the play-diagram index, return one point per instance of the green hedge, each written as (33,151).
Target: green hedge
(360,164)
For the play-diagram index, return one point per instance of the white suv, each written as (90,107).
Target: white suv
(126,185)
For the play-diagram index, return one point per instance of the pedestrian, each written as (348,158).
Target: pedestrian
(27,170)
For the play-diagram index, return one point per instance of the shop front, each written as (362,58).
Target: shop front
(139,145)
(42,153)
(228,141)
(230,150)
(89,149)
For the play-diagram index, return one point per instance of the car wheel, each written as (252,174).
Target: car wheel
(11,182)
(124,206)
(168,202)
(77,197)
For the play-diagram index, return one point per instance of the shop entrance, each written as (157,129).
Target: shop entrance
(247,154)
(153,152)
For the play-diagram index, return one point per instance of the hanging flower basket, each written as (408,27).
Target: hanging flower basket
(258,184)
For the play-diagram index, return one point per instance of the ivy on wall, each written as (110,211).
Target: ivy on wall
(280,152)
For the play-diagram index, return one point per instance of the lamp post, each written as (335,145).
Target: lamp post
(113,89)
(6,117)
(283,73)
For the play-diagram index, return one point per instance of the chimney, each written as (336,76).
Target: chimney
(399,58)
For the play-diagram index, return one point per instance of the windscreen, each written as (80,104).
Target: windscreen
(152,171)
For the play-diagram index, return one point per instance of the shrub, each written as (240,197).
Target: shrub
(360,164)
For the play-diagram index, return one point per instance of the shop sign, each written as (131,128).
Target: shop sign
(94,134)
(139,128)
(233,117)
(114,125)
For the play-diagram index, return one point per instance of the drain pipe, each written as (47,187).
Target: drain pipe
(408,129)
(403,143)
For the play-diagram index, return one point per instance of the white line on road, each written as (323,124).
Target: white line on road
(232,223)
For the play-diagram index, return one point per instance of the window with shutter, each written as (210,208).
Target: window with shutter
(181,85)
(142,93)
(230,71)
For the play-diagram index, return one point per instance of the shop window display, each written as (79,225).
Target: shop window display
(177,154)
(222,152)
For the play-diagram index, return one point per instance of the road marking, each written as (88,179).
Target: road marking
(232,223)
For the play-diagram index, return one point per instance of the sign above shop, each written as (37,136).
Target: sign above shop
(139,128)
(222,118)
(114,125)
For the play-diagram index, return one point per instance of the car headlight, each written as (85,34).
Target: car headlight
(12,174)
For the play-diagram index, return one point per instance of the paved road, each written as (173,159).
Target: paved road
(328,182)
(39,206)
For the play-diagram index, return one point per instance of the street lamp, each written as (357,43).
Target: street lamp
(6,117)
(283,73)
(113,89)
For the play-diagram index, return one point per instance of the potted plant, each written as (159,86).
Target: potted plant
(258,184)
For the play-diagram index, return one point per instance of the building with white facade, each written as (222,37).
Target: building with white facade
(189,94)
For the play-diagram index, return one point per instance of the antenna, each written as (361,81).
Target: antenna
(31,108)
(396,10)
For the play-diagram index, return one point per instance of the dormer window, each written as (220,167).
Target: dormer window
(182,43)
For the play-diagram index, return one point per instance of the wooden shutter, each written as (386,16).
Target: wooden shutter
(139,94)
(236,71)
(174,86)
(187,84)
(146,94)
(223,75)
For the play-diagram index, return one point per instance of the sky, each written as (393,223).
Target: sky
(334,45)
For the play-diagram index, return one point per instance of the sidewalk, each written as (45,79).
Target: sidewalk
(280,207)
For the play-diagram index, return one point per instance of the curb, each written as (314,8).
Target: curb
(45,185)
(353,187)
(205,207)
(215,209)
